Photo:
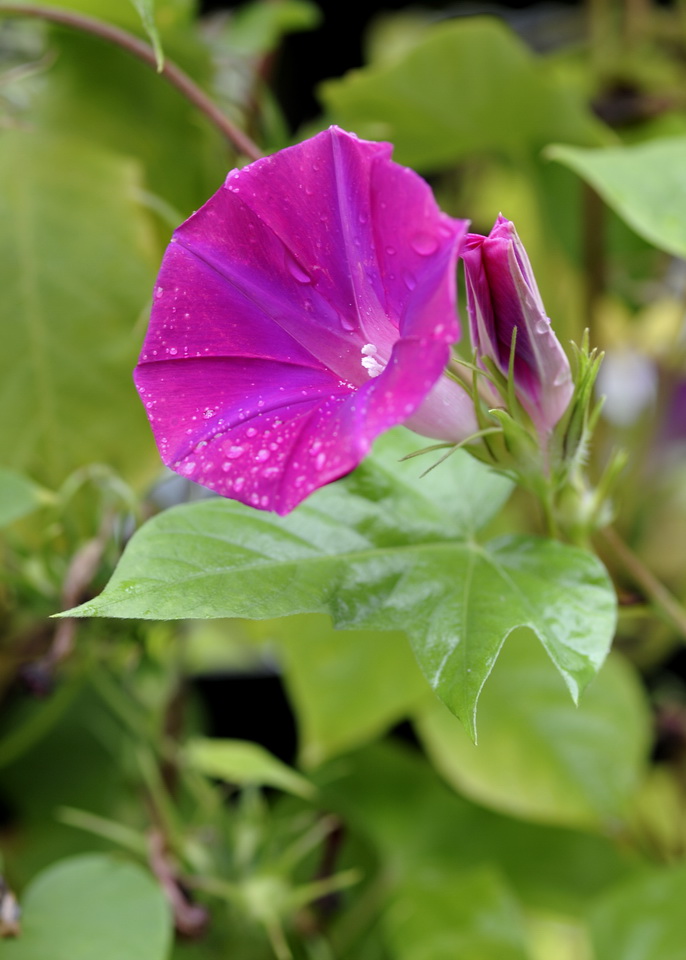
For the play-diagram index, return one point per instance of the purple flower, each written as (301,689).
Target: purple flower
(306,308)
(502,296)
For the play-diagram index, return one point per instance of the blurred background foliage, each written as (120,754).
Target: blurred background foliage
(212,789)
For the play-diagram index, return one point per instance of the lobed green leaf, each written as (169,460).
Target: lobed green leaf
(347,553)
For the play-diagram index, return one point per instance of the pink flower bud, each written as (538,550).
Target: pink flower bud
(502,296)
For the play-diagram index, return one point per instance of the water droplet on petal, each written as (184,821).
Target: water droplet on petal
(410,280)
(251,432)
(295,270)
(233,453)
(424,244)
(262,455)
(391,251)
(320,461)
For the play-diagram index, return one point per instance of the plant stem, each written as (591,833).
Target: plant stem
(143,51)
(655,591)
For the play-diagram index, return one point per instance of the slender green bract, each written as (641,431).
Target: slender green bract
(382,550)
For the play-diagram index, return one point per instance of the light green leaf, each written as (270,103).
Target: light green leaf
(539,757)
(645,184)
(442,914)
(257,27)
(91,92)
(346,688)
(421,826)
(19,496)
(344,553)
(469,86)
(76,270)
(242,762)
(642,920)
(92,906)
(146,11)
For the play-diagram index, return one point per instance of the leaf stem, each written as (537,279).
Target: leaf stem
(143,51)
(653,589)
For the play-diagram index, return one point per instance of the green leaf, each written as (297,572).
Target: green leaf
(344,553)
(421,826)
(146,11)
(90,90)
(642,920)
(19,496)
(76,270)
(257,27)
(242,762)
(442,914)
(93,906)
(539,756)
(469,86)
(645,184)
(345,688)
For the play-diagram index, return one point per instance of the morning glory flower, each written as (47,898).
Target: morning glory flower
(308,306)
(502,296)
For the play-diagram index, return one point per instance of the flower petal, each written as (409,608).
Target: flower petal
(306,308)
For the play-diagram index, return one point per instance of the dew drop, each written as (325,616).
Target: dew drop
(158,292)
(424,244)
(347,323)
(262,455)
(173,351)
(295,270)
(391,251)
(239,483)
(250,432)
(233,453)
(410,280)
(320,461)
